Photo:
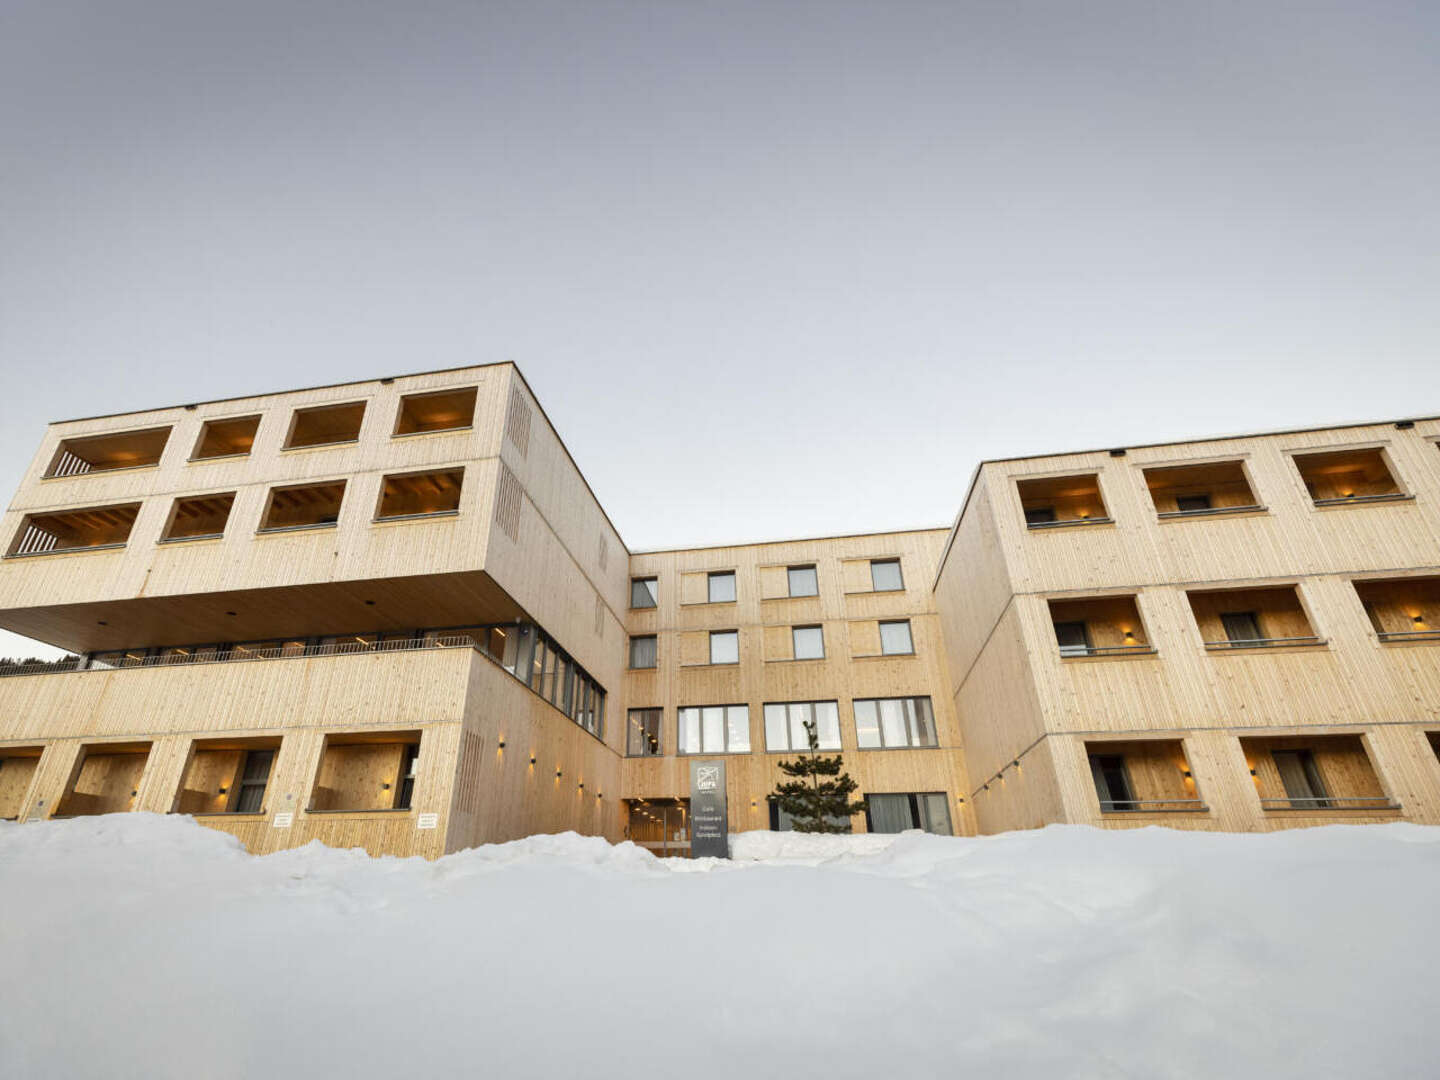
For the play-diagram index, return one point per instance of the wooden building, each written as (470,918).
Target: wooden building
(392,614)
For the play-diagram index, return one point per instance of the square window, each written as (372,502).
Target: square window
(325,425)
(714,729)
(644,592)
(643,651)
(803,581)
(199,516)
(722,587)
(644,737)
(885,575)
(808,642)
(305,506)
(895,638)
(226,438)
(724,646)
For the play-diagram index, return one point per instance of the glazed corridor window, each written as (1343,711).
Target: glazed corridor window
(427,494)
(721,587)
(714,729)
(926,810)
(1187,490)
(305,506)
(367,772)
(1348,476)
(227,777)
(226,438)
(75,530)
(325,424)
(107,780)
(445,410)
(891,723)
(1062,500)
(644,592)
(895,638)
(885,575)
(105,453)
(808,642)
(199,517)
(644,651)
(644,736)
(785,725)
(724,646)
(803,581)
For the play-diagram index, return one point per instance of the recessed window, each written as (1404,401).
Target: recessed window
(644,738)
(644,592)
(714,729)
(326,424)
(1213,488)
(1252,618)
(926,810)
(1317,772)
(1099,626)
(444,410)
(1402,609)
(75,530)
(885,575)
(1348,476)
(424,494)
(305,506)
(721,586)
(808,642)
(1146,774)
(367,772)
(1112,782)
(226,438)
(1062,500)
(892,723)
(643,651)
(1074,638)
(785,725)
(199,516)
(106,453)
(107,781)
(803,581)
(227,777)
(724,646)
(895,638)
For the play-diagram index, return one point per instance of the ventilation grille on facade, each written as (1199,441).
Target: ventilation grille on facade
(507,504)
(604,550)
(599,616)
(467,791)
(517,422)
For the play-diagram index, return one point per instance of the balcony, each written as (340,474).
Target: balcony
(1187,491)
(232,437)
(366,772)
(106,781)
(446,410)
(1058,501)
(1099,626)
(303,506)
(227,776)
(417,495)
(326,425)
(1402,609)
(1318,772)
(1237,619)
(1143,776)
(75,530)
(1349,477)
(107,453)
(202,517)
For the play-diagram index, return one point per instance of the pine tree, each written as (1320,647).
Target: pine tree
(818,799)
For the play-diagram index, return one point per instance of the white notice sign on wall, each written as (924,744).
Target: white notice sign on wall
(428,821)
(283,821)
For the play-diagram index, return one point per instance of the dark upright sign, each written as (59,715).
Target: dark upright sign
(709,826)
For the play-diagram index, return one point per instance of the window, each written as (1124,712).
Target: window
(1303,786)
(808,641)
(892,723)
(1347,476)
(722,587)
(714,729)
(643,651)
(305,506)
(405,790)
(106,453)
(724,646)
(644,592)
(895,638)
(928,810)
(644,737)
(199,516)
(75,530)
(785,725)
(254,776)
(1074,638)
(366,772)
(1039,515)
(885,575)
(420,494)
(1062,500)
(226,438)
(780,821)
(1191,504)
(107,781)
(803,581)
(1112,782)
(1241,627)
(325,425)
(444,410)
(1215,487)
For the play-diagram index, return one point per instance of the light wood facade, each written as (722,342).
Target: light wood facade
(392,614)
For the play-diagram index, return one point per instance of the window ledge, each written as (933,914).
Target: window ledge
(723,663)
(884,656)
(216,457)
(1039,526)
(1142,810)
(102,472)
(1119,653)
(797,660)
(64,551)
(319,446)
(251,815)
(1418,637)
(712,753)
(652,667)
(873,592)
(887,749)
(1226,648)
(1363,500)
(805,596)
(296,528)
(367,812)
(433,431)
(703,603)
(404,519)
(1218,511)
(1385,806)
(190,539)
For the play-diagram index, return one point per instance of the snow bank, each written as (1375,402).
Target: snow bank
(142,946)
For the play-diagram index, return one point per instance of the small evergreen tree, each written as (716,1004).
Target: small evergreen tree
(819,796)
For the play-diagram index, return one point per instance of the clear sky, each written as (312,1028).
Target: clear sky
(774,269)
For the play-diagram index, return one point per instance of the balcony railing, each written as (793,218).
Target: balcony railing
(1346,500)
(1069,651)
(1211,511)
(1409,635)
(1263,643)
(1331,802)
(1069,521)
(1154,806)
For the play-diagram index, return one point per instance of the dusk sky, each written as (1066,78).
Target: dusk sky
(773,269)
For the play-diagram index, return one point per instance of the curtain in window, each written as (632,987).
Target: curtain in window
(738,727)
(643,652)
(892,721)
(890,813)
(827,719)
(934,813)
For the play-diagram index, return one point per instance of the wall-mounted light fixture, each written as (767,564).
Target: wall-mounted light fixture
(1418,619)
(532,759)
(500,745)
(224,790)
(1185,773)
(557,774)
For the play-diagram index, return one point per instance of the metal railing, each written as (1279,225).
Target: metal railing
(1409,635)
(1211,511)
(1069,521)
(1121,806)
(1331,802)
(1345,500)
(1069,651)
(1263,643)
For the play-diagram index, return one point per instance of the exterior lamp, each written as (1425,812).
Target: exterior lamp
(224,790)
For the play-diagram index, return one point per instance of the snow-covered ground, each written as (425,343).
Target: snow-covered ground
(142,946)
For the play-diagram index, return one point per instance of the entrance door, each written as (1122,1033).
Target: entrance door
(661,826)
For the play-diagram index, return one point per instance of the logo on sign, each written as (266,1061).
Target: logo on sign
(707,778)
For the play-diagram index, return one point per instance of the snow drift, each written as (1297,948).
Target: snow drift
(142,946)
